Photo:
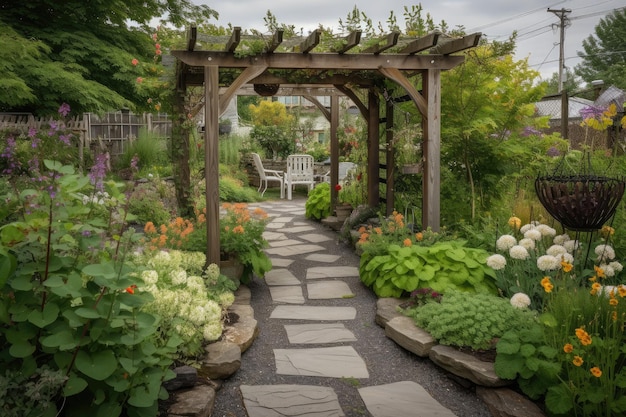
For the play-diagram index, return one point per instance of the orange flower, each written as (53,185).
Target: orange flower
(378,230)
(149,228)
(568,348)
(595,371)
(407,242)
(577,361)
(599,271)
(238,229)
(566,266)
(515,222)
(163,229)
(614,316)
(593,279)
(419,236)
(607,231)
(585,341)
(139,80)
(595,287)
(135,61)
(131,289)
(621,290)
(613,301)
(546,284)
(362,229)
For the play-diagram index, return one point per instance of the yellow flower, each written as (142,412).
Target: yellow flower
(546,284)
(607,231)
(614,316)
(585,341)
(566,266)
(515,222)
(577,361)
(599,271)
(568,348)
(621,290)
(613,301)
(595,371)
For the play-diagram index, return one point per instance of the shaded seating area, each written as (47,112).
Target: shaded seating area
(300,170)
(267,175)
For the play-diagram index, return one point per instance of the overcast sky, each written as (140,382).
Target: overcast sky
(538,34)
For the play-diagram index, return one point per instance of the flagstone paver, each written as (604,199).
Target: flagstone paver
(320,313)
(334,362)
(274,236)
(294,250)
(280,263)
(275,225)
(324,290)
(298,229)
(281,276)
(401,399)
(318,333)
(332,272)
(282,219)
(314,237)
(286,242)
(322,257)
(290,401)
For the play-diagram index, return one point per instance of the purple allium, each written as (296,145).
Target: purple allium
(64,110)
(98,172)
(134,162)
(553,151)
(531,131)
(591,112)
(65,139)
(32,132)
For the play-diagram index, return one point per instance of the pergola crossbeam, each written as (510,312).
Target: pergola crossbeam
(457,45)
(234,40)
(391,40)
(311,42)
(421,44)
(350,41)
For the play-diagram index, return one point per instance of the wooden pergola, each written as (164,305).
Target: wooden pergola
(301,71)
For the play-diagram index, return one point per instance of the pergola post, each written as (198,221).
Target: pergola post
(431,126)
(334,148)
(373,149)
(211,161)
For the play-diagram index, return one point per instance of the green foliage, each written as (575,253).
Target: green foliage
(147,202)
(230,149)
(273,128)
(317,204)
(232,190)
(469,320)
(148,148)
(34,396)
(444,266)
(524,354)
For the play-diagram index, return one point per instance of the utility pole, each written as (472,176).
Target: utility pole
(564,21)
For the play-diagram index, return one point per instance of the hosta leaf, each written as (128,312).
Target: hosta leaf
(98,365)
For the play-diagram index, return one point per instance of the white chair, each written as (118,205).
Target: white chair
(300,170)
(266,175)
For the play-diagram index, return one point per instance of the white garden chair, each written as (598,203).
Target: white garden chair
(300,170)
(266,175)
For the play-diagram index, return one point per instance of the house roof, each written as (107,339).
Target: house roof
(552,107)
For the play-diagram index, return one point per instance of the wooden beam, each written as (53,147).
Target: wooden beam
(355,99)
(457,45)
(334,150)
(319,105)
(320,61)
(389,158)
(247,74)
(234,40)
(277,39)
(351,41)
(431,127)
(398,77)
(309,43)
(390,41)
(192,36)
(421,44)
(373,151)
(211,164)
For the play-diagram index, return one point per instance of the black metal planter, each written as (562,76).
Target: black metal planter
(580,202)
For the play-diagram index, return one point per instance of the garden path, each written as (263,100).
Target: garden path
(319,352)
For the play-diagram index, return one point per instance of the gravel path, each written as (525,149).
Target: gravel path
(386,361)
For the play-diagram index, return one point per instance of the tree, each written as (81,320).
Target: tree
(273,128)
(81,52)
(571,83)
(604,56)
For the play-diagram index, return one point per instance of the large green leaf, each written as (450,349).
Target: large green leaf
(42,318)
(97,365)
(8,264)
(559,399)
(74,385)
(64,340)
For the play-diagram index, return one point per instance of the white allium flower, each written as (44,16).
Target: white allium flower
(150,276)
(607,290)
(529,244)
(608,270)
(548,263)
(519,252)
(526,228)
(505,242)
(533,234)
(178,276)
(617,267)
(604,252)
(556,250)
(546,230)
(560,239)
(496,262)
(571,245)
(520,300)
(567,257)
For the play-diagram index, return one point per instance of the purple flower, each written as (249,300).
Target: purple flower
(553,151)
(64,110)
(86,233)
(134,162)
(531,131)
(9,154)
(53,128)
(35,141)
(98,172)
(32,132)
(65,139)
(590,112)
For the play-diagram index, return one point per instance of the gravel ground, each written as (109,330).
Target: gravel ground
(386,361)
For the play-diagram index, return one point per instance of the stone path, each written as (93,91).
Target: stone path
(317,338)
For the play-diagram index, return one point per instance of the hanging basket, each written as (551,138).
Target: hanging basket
(580,202)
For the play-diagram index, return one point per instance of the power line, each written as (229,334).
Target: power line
(508,19)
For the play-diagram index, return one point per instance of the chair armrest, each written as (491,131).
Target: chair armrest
(274,172)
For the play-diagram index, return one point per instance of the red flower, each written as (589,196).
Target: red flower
(157,52)
(139,80)
(135,61)
(131,289)
(157,46)
(358,177)
(338,187)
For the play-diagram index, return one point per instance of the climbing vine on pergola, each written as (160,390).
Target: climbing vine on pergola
(292,67)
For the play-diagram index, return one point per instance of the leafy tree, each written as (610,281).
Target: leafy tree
(571,83)
(273,128)
(604,56)
(81,52)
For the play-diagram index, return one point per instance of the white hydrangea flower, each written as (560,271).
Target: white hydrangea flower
(604,253)
(546,230)
(617,267)
(226,299)
(212,272)
(533,234)
(571,245)
(548,263)
(560,239)
(212,331)
(505,242)
(213,310)
(520,300)
(526,228)
(567,257)
(195,283)
(608,270)
(150,277)
(496,262)
(556,250)
(529,244)
(178,277)
(519,252)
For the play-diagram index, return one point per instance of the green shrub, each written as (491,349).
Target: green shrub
(150,149)
(469,320)
(317,204)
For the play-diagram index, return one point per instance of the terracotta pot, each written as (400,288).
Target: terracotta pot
(343,211)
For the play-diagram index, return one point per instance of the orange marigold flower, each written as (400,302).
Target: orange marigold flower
(585,341)
(568,348)
(378,230)
(548,288)
(149,228)
(238,229)
(595,371)
(362,229)
(577,361)
(407,242)
(162,241)
(419,236)
(364,236)
(580,333)
(545,280)
(593,279)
